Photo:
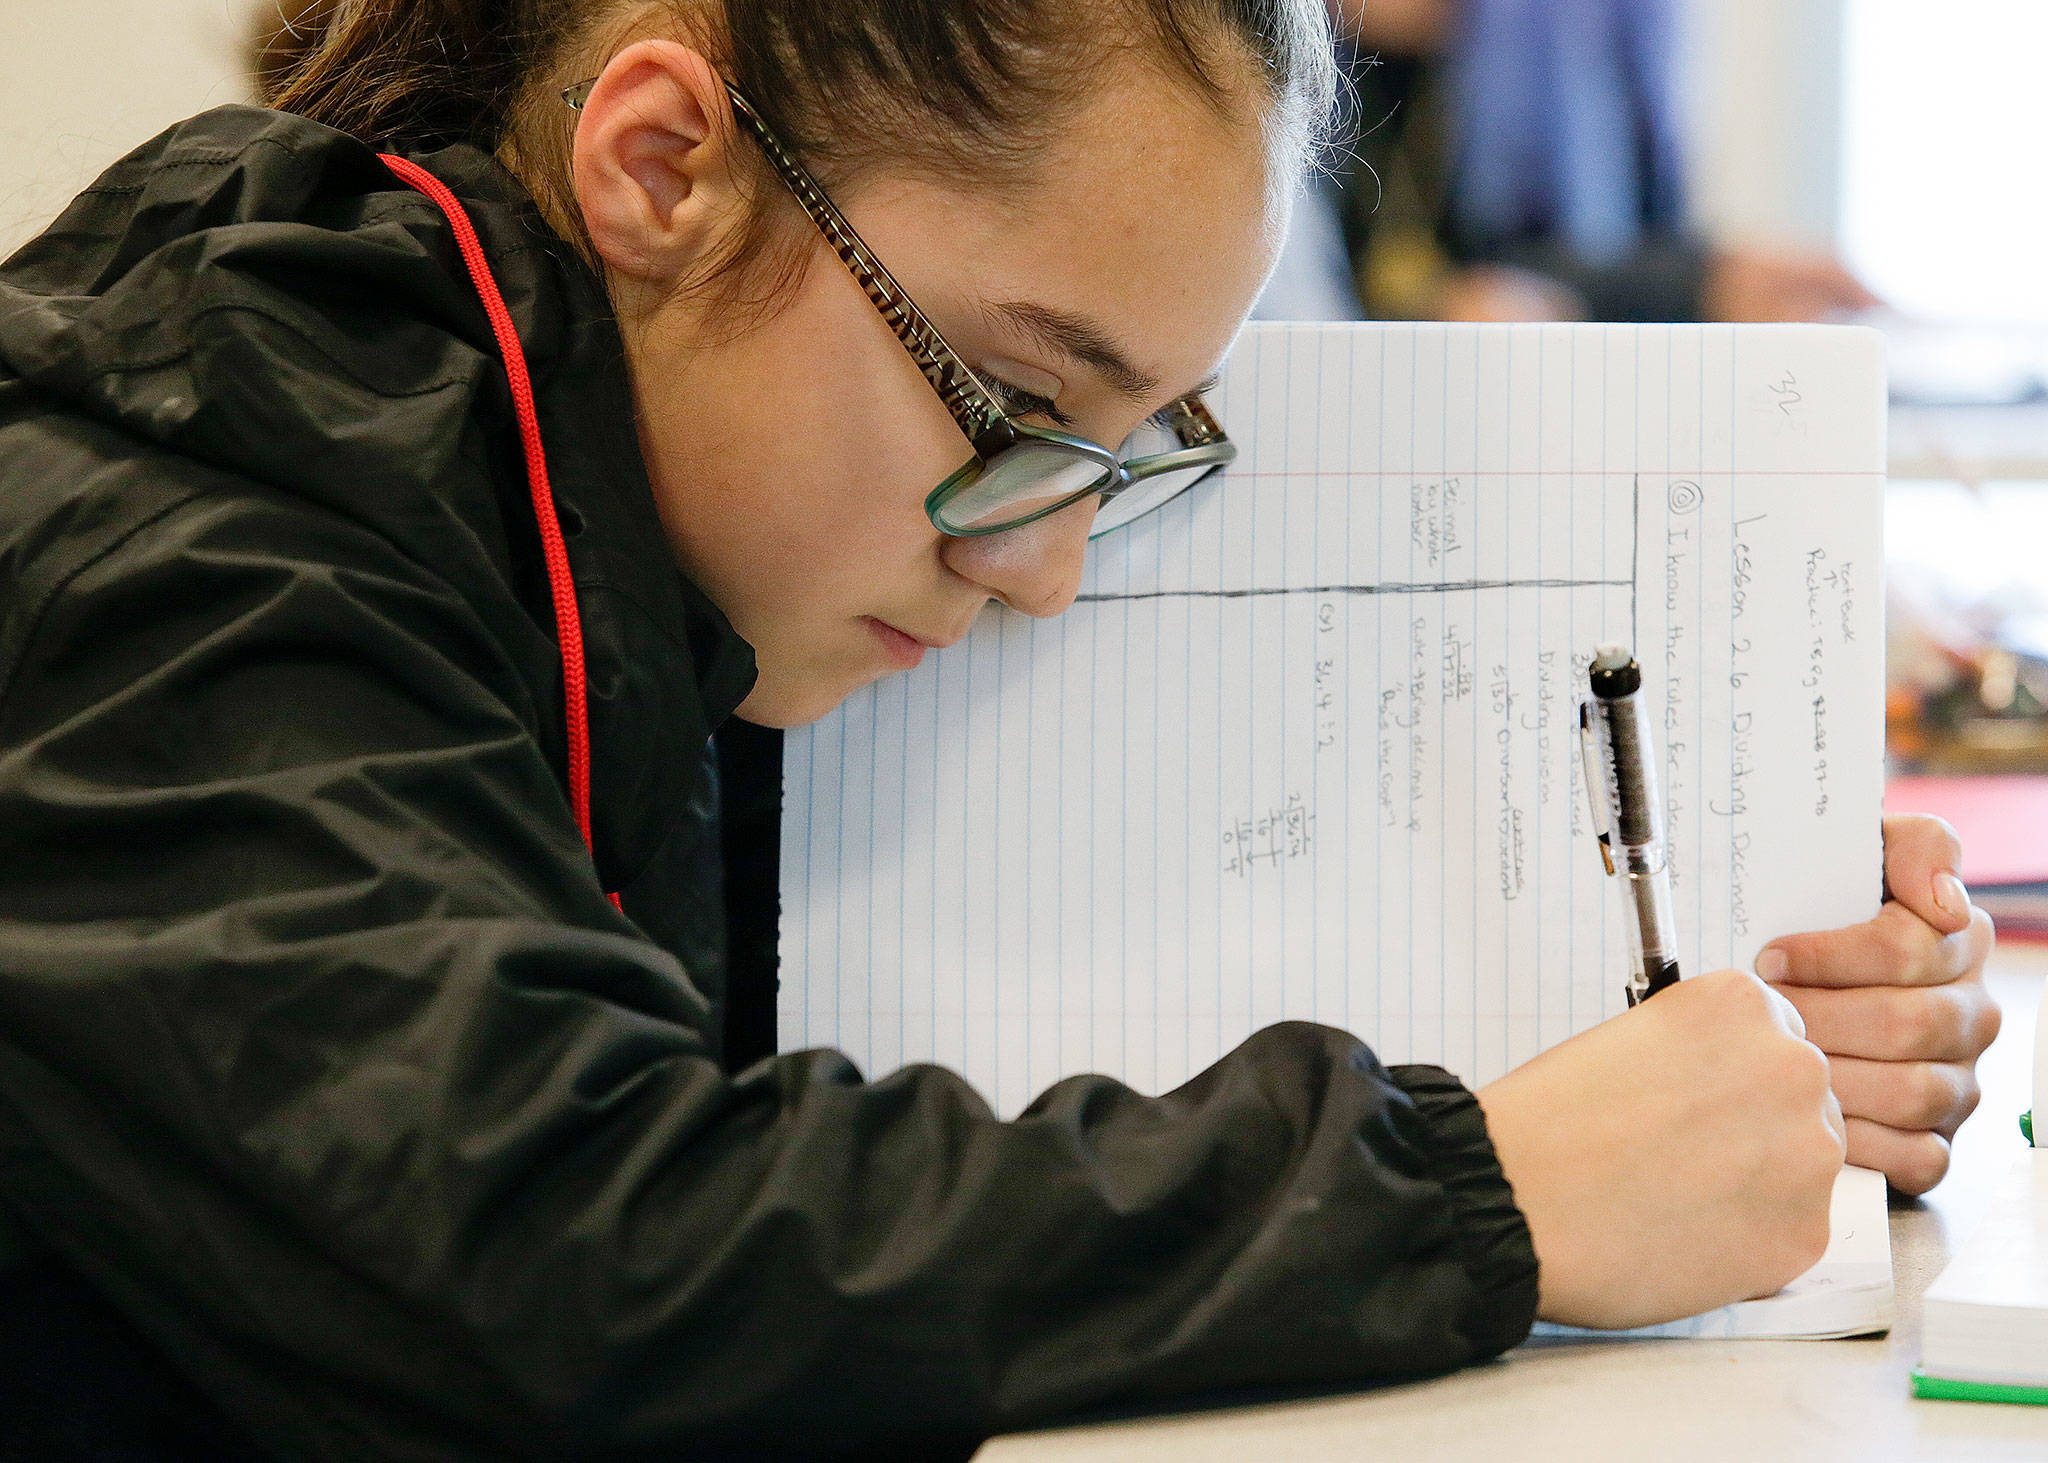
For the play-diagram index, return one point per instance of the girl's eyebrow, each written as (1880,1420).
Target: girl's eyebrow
(1078,338)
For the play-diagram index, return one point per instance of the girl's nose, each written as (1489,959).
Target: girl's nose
(1035,569)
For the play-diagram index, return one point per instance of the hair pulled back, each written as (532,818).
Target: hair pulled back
(966,89)
(966,83)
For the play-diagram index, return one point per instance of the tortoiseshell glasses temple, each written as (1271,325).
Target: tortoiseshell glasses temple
(1020,472)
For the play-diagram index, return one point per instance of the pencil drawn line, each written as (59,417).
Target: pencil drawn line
(1454,586)
(1635,563)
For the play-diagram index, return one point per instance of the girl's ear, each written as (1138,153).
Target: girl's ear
(655,172)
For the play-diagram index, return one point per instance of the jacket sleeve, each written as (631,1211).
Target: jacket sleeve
(323,1055)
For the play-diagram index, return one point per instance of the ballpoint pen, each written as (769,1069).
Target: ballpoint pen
(1628,813)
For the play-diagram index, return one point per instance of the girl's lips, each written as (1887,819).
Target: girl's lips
(901,649)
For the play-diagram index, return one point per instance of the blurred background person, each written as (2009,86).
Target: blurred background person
(1523,160)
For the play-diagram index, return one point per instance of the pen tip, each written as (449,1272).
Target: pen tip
(1611,657)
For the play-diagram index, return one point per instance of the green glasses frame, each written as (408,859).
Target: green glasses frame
(1000,440)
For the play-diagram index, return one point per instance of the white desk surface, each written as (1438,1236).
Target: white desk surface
(1580,1402)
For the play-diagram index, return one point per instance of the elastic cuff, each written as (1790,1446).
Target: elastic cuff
(1493,1235)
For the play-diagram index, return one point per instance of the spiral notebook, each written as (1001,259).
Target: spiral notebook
(1305,745)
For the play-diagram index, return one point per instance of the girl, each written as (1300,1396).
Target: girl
(382,539)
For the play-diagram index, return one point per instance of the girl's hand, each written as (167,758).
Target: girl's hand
(1898,1003)
(1673,1159)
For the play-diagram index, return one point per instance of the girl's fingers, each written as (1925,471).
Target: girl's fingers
(1912,1163)
(1946,1023)
(1910,1096)
(1897,948)
(1921,856)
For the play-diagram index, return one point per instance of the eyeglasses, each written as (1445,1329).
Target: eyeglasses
(1019,472)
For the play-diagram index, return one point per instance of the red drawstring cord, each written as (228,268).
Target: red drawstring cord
(568,624)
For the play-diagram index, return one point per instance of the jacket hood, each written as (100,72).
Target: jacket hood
(261,294)
(243,284)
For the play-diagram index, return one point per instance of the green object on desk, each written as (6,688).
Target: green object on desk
(2027,1124)
(1948,1389)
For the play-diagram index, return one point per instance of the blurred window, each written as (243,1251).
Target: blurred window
(1944,208)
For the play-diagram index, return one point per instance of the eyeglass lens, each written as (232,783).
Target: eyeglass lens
(1153,489)
(1143,496)
(1021,482)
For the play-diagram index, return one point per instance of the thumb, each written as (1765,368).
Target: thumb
(1920,859)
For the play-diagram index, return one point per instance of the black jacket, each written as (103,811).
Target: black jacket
(324,1060)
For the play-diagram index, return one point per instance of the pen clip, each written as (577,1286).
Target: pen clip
(1596,781)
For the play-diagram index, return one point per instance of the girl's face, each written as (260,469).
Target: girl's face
(791,463)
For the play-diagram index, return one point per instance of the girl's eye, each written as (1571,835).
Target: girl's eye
(1017,402)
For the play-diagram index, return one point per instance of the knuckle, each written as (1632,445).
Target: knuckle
(1968,1095)
(1728,985)
(1773,1008)
(1953,960)
(1734,994)
(1933,1024)
(1820,1073)
(1944,842)
(1892,1029)
(1809,1239)
(1802,1069)
(1922,835)
(1788,1017)
(1960,1019)
(1825,1154)
(1935,1095)
(1901,943)
(1985,1023)
(1922,1024)
(1963,953)
(1923,1166)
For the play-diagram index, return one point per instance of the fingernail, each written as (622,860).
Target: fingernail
(1950,895)
(1770,965)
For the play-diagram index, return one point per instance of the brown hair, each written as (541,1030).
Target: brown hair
(966,88)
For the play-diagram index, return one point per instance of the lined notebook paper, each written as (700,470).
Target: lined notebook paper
(1305,745)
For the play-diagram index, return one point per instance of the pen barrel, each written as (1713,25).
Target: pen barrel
(1635,795)
(1635,799)
(1649,930)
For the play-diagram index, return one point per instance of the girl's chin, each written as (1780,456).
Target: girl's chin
(786,701)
